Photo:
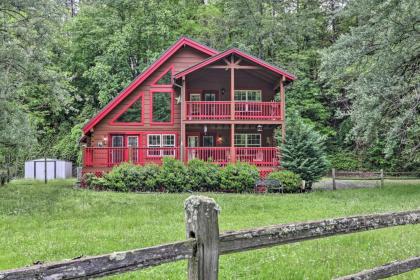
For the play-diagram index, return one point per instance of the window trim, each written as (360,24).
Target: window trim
(247,91)
(172,104)
(169,69)
(161,145)
(114,121)
(246,140)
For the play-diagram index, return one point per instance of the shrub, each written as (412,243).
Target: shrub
(124,177)
(148,177)
(239,177)
(203,176)
(303,152)
(344,161)
(290,181)
(173,176)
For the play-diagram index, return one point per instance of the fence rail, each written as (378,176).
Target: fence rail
(204,244)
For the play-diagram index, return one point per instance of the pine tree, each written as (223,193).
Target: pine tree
(303,151)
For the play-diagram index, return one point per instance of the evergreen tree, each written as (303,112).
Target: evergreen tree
(303,152)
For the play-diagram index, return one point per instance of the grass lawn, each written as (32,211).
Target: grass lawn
(55,222)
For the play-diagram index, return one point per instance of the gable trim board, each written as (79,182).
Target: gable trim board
(221,55)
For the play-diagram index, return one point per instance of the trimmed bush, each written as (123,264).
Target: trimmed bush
(203,176)
(239,177)
(148,178)
(173,176)
(123,178)
(290,181)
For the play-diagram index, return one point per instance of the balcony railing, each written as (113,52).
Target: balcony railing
(108,157)
(220,110)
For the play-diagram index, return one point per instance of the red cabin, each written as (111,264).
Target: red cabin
(193,102)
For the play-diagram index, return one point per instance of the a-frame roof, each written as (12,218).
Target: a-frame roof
(183,41)
(239,53)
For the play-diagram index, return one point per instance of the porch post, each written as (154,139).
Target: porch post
(232,91)
(183,104)
(283,109)
(232,143)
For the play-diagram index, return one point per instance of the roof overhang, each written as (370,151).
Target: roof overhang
(183,41)
(238,53)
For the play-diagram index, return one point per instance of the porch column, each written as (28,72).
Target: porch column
(232,143)
(283,109)
(232,91)
(183,104)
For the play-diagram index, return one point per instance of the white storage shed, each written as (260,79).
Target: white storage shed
(56,169)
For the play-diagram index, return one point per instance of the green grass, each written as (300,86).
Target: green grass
(54,222)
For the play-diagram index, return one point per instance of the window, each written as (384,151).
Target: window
(165,79)
(158,141)
(208,141)
(248,95)
(247,140)
(132,114)
(162,107)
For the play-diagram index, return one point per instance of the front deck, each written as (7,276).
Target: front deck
(109,156)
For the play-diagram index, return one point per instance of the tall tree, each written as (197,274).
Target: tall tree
(376,66)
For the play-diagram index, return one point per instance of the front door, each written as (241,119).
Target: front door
(133,144)
(210,109)
(192,143)
(195,107)
(117,150)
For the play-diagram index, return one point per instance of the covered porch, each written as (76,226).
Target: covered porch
(224,143)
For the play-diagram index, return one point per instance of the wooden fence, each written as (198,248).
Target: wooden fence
(380,175)
(204,244)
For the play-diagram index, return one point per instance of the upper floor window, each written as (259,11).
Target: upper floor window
(247,95)
(164,79)
(162,107)
(131,114)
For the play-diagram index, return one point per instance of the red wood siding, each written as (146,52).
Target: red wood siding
(182,59)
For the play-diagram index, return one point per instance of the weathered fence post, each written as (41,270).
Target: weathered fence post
(382,178)
(333,178)
(202,224)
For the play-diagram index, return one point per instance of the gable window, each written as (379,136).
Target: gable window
(164,79)
(247,140)
(161,145)
(162,107)
(131,114)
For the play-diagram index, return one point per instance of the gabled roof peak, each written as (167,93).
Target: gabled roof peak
(238,52)
(182,41)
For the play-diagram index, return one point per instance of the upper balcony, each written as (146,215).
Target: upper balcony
(222,110)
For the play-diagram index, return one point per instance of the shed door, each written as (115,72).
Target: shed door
(39,168)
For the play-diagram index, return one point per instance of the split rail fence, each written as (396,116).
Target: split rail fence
(380,175)
(204,244)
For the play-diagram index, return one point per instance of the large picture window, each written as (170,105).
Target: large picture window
(161,145)
(162,106)
(130,114)
(247,140)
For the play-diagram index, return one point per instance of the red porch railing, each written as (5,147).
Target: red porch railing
(111,156)
(219,155)
(220,110)
(258,110)
(259,156)
(205,110)
(108,157)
